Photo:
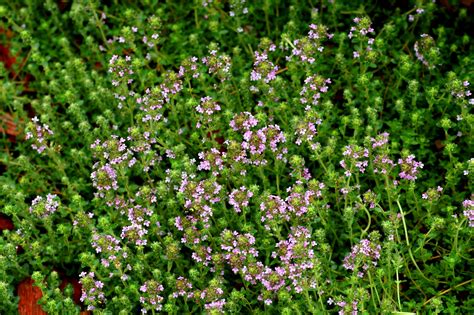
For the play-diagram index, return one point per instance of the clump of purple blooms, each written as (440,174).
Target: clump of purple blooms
(150,297)
(409,168)
(312,90)
(356,156)
(92,290)
(468,212)
(308,48)
(109,248)
(104,178)
(43,208)
(239,198)
(263,69)
(424,49)
(218,64)
(207,107)
(363,255)
(361,31)
(39,135)
(432,194)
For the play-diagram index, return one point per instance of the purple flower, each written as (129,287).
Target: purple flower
(44,208)
(240,198)
(409,168)
(92,294)
(306,48)
(243,122)
(207,108)
(425,47)
(313,87)
(38,134)
(263,69)
(469,211)
(363,255)
(150,297)
(104,178)
(218,65)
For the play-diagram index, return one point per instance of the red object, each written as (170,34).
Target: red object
(8,127)
(76,286)
(5,57)
(5,223)
(219,139)
(29,296)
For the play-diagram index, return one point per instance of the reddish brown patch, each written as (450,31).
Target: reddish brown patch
(5,57)
(9,127)
(7,32)
(10,61)
(76,286)
(29,296)
(219,139)
(5,222)
(19,250)
(62,5)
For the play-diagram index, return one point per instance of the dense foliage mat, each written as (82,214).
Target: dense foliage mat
(237,156)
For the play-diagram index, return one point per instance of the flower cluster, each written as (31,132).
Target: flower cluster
(365,254)
(200,195)
(218,65)
(382,164)
(207,108)
(104,178)
(239,198)
(357,157)
(419,11)
(44,208)
(189,66)
(313,87)
(274,208)
(192,234)
(306,48)
(460,90)
(350,306)
(243,122)
(426,51)
(238,248)
(263,69)
(169,88)
(297,255)
(150,297)
(138,218)
(238,7)
(432,194)
(38,134)
(212,297)
(370,198)
(183,287)
(361,31)
(113,151)
(469,211)
(109,247)
(212,160)
(380,140)
(257,142)
(305,128)
(409,168)
(277,210)
(92,290)
(121,70)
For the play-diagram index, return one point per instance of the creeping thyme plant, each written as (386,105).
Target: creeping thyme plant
(239,156)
